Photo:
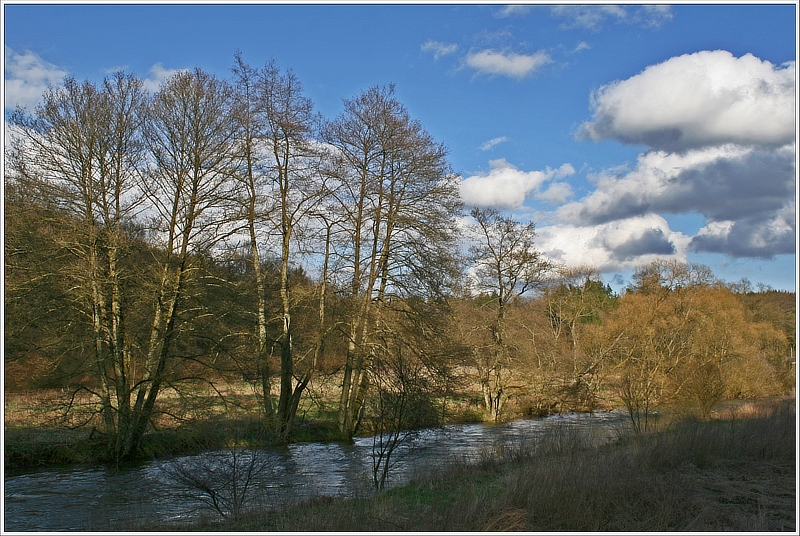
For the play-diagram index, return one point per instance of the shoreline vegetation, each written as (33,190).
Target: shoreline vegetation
(735,472)
(36,436)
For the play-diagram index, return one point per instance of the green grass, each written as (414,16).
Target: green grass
(31,448)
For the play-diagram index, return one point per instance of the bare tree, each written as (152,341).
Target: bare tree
(399,199)
(506,266)
(226,480)
(411,375)
(283,187)
(254,185)
(82,150)
(190,137)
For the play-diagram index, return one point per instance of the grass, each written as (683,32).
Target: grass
(736,473)
(39,433)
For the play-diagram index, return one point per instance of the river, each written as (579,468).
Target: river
(81,498)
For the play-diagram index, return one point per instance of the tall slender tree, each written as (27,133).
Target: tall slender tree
(82,152)
(190,137)
(400,200)
(283,186)
(506,266)
(254,186)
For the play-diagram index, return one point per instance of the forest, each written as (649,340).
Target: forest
(162,248)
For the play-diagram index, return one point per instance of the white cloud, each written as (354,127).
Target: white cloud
(491,143)
(158,74)
(26,77)
(438,48)
(722,135)
(718,182)
(513,9)
(507,187)
(492,62)
(743,190)
(588,16)
(700,99)
(594,16)
(583,45)
(556,193)
(614,246)
(653,15)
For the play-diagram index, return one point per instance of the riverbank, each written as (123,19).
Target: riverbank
(734,473)
(32,441)
(37,436)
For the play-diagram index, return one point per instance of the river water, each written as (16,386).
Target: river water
(82,498)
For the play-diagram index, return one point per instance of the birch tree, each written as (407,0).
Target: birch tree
(254,185)
(82,151)
(282,188)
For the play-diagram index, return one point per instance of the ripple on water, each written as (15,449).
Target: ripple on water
(85,498)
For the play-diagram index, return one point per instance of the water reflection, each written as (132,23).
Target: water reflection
(89,498)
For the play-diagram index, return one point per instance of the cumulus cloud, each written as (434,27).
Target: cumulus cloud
(438,48)
(511,64)
(507,187)
(26,77)
(614,246)
(746,195)
(763,235)
(556,193)
(593,17)
(491,143)
(721,137)
(721,183)
(695,100)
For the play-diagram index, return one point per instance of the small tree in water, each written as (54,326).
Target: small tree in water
(402,405)
(225,480)
(410,374)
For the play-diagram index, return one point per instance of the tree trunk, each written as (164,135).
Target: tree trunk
(161,334)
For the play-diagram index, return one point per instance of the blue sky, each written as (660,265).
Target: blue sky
(627,133)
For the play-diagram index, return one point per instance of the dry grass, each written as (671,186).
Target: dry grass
(737,474)
(731,475)
(68,408)
(37,409)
